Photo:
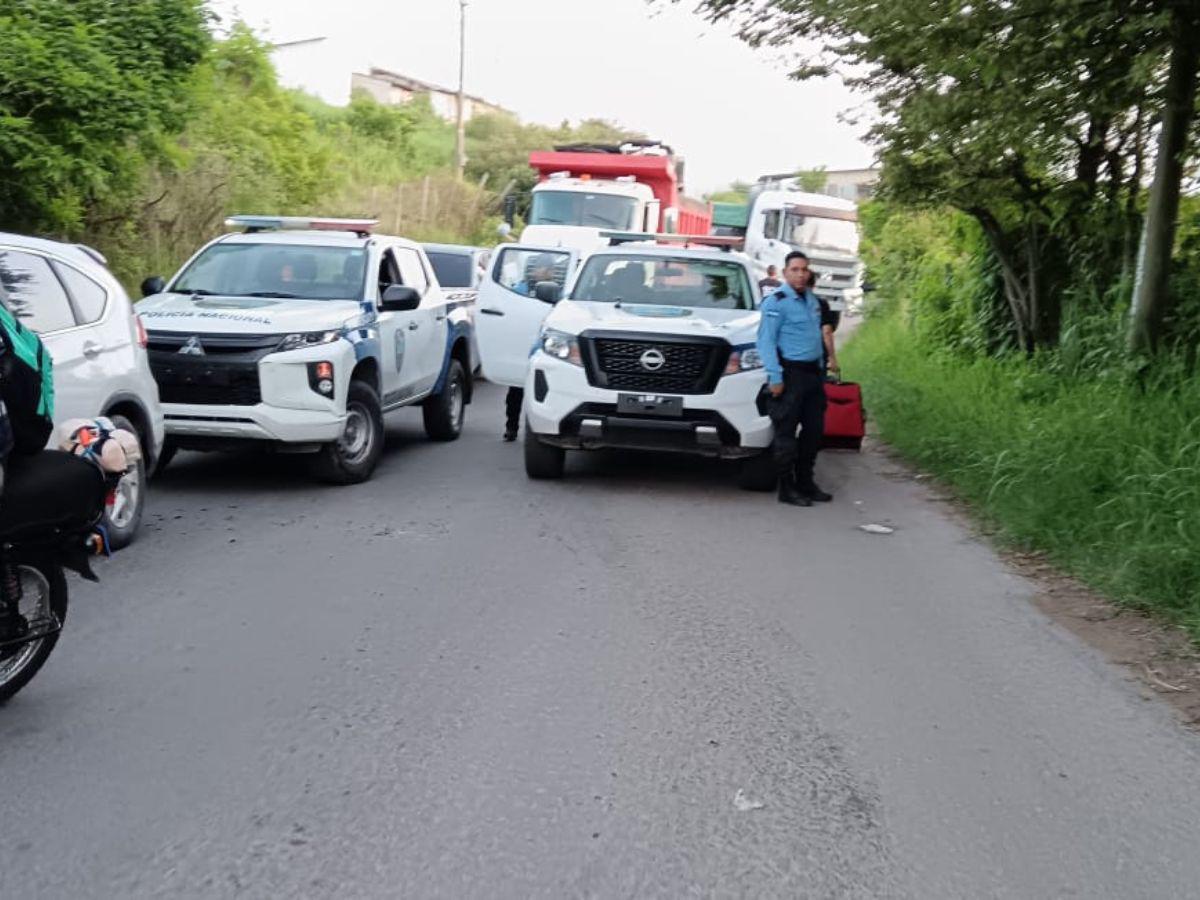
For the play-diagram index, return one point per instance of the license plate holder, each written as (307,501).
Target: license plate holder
(650,405)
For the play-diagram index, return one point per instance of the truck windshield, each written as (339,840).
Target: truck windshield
(296,271)
(664,281)
(453,270)
(580,208)
(809,232)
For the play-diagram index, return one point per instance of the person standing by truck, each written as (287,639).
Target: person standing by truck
(795,342)
(771,283)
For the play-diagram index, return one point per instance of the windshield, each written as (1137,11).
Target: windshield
(578,208)
(810,232)
(452,269)
(276,270)
(665,281)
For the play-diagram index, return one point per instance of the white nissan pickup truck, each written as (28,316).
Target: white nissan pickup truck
(299,335)
(641,346)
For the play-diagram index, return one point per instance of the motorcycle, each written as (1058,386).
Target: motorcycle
(50,515)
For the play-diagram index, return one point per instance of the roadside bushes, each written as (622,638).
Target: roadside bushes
(1102,472)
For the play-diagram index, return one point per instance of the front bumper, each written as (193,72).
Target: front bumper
(253,423)
(288,410)
(563,409)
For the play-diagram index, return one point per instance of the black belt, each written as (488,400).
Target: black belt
(801,365)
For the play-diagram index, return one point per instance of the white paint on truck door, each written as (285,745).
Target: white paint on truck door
(426,328)
(509,315)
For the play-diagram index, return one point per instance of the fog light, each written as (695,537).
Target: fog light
(320,378)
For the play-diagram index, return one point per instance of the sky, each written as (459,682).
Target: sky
(658,68)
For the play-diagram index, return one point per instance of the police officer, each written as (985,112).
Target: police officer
(795,341)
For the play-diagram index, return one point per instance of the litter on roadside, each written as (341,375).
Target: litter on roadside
(872,528)
(742,803)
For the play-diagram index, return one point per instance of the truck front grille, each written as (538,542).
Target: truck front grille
(207,382)
(689,366)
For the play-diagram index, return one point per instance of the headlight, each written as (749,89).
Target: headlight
(561,345)
(307,339)
(743,359)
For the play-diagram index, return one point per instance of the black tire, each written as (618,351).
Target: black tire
(123,515)
(165,455)
(35,655)
(444,411)
(352,458)
(542,461)
(757,473)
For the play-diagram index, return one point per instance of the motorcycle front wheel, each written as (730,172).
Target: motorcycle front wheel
(44,606)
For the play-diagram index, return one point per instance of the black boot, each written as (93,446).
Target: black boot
(510,433)
(788,493)
(815,493)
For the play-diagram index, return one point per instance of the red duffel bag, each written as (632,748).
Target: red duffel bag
(845,419)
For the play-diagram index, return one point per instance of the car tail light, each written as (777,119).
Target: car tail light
(142,338)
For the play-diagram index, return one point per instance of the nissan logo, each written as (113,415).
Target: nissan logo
(652,360)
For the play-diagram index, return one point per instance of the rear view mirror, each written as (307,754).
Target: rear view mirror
(399,298)
(153,285)
(547,291)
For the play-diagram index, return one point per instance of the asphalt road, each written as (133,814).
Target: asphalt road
(453,682)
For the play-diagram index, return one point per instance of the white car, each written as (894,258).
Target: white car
(652,347)
(300,334)
(66,294)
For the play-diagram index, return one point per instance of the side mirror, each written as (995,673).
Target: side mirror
(399,298)
(547,291)
(867,287)
(153,285)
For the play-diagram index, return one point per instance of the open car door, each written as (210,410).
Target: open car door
(509,314)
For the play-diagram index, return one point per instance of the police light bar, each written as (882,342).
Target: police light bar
(255,224)
(720,242)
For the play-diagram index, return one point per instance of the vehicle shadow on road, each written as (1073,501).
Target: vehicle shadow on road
(639,470)
(264,471)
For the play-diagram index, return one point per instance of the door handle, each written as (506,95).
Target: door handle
(492,312)
(441,318)
(413,326)
(91,349)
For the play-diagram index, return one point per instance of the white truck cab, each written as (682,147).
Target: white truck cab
(651,347)
(301,334)
(575,212)
(825,228)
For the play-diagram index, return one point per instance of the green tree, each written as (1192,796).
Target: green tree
(812,180)
(1031,116)
(89,89)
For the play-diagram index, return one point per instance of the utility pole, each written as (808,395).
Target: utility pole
(461,144)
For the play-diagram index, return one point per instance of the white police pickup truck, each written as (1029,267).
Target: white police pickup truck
(300,334)
(651,347)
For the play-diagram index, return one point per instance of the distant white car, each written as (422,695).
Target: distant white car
(66,294)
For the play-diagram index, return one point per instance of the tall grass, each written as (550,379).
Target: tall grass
(1099,473)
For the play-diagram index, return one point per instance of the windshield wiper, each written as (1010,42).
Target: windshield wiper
(193,292)
(274,295)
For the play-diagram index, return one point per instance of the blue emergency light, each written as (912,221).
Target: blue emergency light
(255,224)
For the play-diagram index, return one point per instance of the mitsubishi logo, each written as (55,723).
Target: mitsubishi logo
(652,360)
(192,347)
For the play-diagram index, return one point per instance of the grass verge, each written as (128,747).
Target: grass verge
(1102,477)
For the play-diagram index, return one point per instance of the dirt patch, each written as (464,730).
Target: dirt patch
(1160,656)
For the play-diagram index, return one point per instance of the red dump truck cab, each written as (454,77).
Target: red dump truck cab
(584,189)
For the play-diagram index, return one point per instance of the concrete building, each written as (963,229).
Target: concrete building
(393,89)
(851,184)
